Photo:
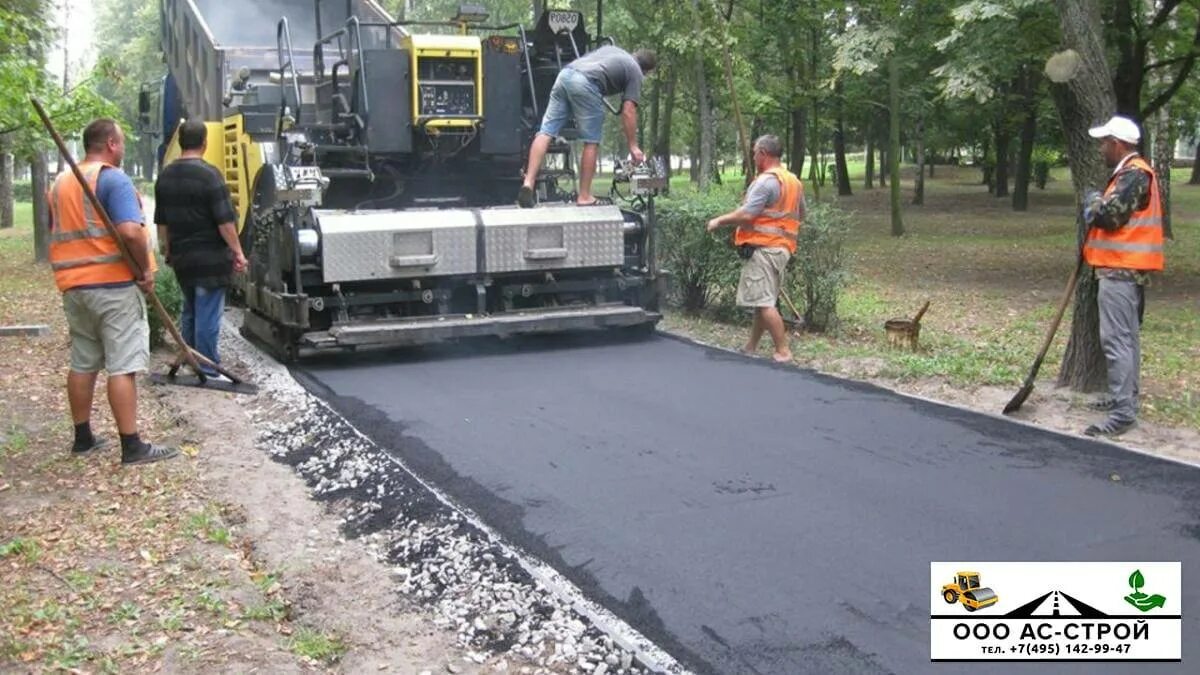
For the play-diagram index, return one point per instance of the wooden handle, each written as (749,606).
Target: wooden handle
(184,350)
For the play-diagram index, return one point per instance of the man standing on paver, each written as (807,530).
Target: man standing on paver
(106,313)
(1124,244)
(579,91)
(768,224)
(198,234)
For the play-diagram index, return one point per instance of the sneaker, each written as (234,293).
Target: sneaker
(1103,405)
(1110,427)
(148,454)
(525,197)
(78,450)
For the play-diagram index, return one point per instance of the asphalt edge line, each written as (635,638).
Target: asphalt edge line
(918,397)
(623,634)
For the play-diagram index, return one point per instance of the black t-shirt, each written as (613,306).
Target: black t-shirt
(192,201)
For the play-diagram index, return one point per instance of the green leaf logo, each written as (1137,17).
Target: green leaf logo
(1136,580)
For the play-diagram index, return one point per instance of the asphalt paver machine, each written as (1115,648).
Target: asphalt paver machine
(374,165)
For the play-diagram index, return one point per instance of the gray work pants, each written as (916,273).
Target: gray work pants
(1121,304)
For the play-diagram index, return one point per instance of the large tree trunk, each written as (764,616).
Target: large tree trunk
(839,147)
(1195,179)
(894,142)
(1082,101)
(704,105)
(1003,141)
(662,135)
(799,140)
(869,180)
(6,182)
(919,182)
(41,211)
(1164,146)
(1020,200)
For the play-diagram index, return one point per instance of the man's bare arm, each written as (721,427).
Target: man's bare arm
(133,234)
(229,234)
(629,126)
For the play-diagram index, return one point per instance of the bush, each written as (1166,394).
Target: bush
(166,287)
(820,265)
(703,266)
(22,191)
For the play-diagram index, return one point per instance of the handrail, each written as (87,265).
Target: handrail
(353,33)
(283,37)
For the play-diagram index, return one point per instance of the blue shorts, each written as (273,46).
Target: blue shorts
(574,93)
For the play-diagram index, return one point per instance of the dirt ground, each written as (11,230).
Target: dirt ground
(183,566)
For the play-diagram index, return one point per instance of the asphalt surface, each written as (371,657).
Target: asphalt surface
(753,518)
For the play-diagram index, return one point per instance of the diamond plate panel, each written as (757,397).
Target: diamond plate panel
(369,245)
(553,238)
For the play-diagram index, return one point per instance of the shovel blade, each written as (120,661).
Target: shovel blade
(1019,400)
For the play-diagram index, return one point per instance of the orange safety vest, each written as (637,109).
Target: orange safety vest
(82,252)
(779,225)
(1136,245)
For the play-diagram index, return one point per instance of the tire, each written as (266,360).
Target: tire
(950,596)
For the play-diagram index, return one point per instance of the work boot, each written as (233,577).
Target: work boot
(525,197)
(1110,428)
(136,451)
(85,448)
(1103,405)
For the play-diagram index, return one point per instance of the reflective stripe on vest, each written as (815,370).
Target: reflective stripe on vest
(779,225)
(1136,245)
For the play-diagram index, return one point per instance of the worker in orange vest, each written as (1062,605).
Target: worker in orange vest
(768,225)
(106,313)
(1124,244)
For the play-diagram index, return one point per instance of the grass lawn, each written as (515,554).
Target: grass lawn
(994,278)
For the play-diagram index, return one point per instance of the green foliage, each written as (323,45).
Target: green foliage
(166,286)
(701,264)
(822,264)
(317,646)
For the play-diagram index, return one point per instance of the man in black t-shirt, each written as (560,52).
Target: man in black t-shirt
(197,230)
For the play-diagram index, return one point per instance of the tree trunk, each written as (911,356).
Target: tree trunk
(743,133)
(869,181)
(919,182)
(1020,200)
(1195,179)
(1003,140)
(894,142)
(1164,145)
(705,111)
(1082,101)
(799,140)
(41,211)
(839,147)
(662,136)
(6,182)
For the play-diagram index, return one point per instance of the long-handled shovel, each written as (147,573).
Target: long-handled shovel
(1027,388)
(189,355)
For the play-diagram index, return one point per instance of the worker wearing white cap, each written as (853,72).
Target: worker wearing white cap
(1124,244)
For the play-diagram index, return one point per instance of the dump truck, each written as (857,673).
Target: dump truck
(374,166)
(965,589)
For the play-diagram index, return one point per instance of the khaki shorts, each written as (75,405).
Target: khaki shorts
(762,277)
(108,329)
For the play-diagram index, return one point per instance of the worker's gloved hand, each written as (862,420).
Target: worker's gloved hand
(1092,201)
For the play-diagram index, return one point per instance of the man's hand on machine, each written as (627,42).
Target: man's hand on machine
(636,153)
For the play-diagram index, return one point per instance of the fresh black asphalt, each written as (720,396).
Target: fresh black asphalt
(752,518)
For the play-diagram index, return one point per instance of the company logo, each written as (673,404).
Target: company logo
(1054,611)
(1141,600)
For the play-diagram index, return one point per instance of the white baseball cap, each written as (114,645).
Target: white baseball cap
(1120,128)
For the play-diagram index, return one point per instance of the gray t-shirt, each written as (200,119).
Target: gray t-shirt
(763,192)
(613,70)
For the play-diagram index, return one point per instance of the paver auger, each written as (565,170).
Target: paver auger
(374,172)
